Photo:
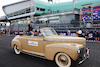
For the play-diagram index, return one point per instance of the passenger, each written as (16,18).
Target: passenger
(35,33)
(30,27)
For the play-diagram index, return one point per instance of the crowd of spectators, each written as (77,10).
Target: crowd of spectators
(80,33)
(15,32)
(85,33)
(7,32)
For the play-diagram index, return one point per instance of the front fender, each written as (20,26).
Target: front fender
(16,42)
(52,49)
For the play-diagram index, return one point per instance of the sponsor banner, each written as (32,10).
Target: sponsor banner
(33,43)
(96,25)
(96,13)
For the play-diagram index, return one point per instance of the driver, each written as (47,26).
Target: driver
(30,27)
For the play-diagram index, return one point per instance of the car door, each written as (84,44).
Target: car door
(34,44)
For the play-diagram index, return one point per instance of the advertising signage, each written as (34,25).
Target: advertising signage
(94,10)
(96,24)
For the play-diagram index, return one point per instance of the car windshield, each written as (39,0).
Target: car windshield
(49,32)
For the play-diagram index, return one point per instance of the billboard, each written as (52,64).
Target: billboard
(85,12)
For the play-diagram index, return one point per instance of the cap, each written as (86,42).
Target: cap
(35,30)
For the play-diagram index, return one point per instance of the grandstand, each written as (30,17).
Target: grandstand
(51,15)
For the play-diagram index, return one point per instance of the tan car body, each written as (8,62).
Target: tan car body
(51,45)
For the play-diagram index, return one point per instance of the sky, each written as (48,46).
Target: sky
(5,2)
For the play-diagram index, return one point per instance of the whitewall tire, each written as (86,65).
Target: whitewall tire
(16,49)
(63,60)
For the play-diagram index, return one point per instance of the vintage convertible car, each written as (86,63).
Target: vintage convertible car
(61,49)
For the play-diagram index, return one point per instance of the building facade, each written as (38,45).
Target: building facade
(50,15)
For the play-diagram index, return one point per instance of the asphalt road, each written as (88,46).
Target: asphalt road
(9,59)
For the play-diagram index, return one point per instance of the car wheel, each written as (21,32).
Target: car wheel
(63,60)
(16,49)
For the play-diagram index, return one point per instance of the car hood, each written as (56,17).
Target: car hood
(68,39)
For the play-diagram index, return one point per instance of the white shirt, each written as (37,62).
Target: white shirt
(79,32)
(68,32)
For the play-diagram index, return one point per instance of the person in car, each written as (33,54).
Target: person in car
(30,27)
(35,33)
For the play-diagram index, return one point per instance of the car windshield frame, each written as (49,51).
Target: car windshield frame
(48,32)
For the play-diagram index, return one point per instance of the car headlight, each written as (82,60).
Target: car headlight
(78,51)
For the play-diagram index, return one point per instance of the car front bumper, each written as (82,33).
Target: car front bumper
(85,56)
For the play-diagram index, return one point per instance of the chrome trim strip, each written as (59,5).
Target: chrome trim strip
(32,39)
(33,55)
(63,40)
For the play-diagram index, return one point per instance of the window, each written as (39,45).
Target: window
(58,11)
(22,12)
(37,8)
(41,9)
(46,22)
(11,15)
(27,10)
(20,22)
(16,13)
(53,11)
(8,15)
(41,22)
(50,11)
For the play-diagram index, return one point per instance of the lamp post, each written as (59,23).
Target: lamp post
(33,7)
(73,5)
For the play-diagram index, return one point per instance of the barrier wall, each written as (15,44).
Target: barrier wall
(73,33)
